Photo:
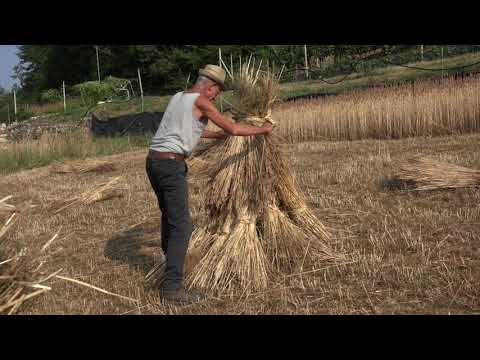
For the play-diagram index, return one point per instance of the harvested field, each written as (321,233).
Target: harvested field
(407,252)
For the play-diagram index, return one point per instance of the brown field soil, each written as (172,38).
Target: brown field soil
(407,252)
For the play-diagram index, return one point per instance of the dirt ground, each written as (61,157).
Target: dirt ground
(406,252)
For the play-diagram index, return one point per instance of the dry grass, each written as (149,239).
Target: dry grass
(427,108)
(83,166)
(20,280)
(49,108)
(6,207)
(50,147)
(409,252)
(427,174)
(101,192)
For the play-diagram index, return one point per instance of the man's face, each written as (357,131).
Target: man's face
(213,91)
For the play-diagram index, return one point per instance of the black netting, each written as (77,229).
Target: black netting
(133,124)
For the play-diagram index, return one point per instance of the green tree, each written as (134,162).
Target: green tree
(164,68)
(31,70)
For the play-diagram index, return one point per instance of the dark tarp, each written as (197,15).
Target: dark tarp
(143,123)
(132,124)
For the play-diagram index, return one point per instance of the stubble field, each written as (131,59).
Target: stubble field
(405,252)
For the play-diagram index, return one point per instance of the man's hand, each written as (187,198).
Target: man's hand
(222,134)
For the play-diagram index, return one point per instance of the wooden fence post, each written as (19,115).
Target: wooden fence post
(98,63)
(15,103)
(220,64)
(64,98)
(443,73)
(141,88)
(188,81)
(306,61)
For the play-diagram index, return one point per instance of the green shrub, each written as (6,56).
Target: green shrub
(50,96)
(23,114)
(92,92)
(115,82)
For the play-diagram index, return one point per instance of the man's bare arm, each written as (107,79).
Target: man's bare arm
(231,128)
(207,134)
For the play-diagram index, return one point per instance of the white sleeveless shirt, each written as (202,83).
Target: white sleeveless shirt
(180,130)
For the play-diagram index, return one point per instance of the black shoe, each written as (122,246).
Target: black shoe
(181,297)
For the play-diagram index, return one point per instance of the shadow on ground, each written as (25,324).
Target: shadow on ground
(130,247)
(397,184)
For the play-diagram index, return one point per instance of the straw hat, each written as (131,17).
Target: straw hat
(214,73)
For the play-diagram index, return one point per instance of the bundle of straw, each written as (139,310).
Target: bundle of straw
(198,166)
(100,192)
(261,225)
(202,159)
(80,167)
(18,281)
(423,174)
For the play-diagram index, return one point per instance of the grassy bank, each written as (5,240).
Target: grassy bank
(77,145)
(382,76)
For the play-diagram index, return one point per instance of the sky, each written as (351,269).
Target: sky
(8,59)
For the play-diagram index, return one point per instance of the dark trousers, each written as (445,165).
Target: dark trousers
(169,181)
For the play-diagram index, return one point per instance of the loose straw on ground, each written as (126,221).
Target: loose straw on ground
(98,193)
(95,288)
(16,275)
(422,174)
(4,207)
(14,303)
(8,224)
(80,167)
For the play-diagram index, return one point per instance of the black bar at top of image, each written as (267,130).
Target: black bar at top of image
(235,23)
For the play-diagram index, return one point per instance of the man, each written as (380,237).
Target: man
(180,130)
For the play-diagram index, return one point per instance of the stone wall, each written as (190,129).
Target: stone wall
(33,129)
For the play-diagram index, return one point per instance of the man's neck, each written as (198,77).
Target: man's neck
(196,89)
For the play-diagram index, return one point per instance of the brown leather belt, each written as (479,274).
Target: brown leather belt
(165,155)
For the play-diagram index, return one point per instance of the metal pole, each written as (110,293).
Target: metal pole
(98,63)
(64,100)
(141,87)
(8,112)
